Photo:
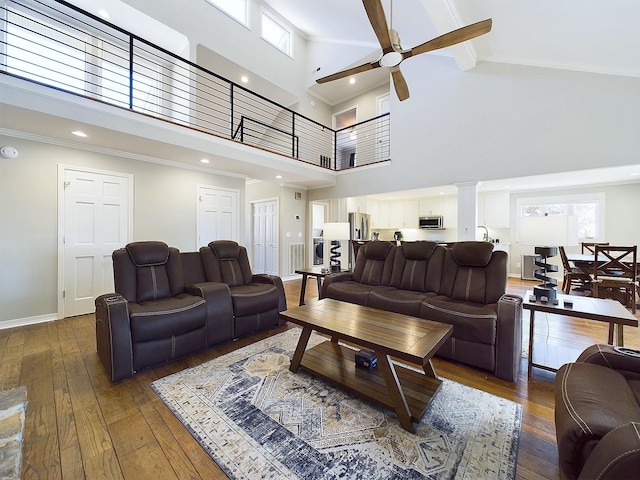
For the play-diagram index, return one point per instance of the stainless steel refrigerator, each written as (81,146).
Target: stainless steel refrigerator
(360,226)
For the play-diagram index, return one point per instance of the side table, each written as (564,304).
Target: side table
(313,272)
(589,308)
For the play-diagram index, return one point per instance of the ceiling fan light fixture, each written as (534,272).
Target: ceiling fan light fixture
(390,59)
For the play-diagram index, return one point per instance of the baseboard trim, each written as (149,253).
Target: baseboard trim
(21,322)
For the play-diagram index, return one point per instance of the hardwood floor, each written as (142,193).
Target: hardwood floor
(80,425)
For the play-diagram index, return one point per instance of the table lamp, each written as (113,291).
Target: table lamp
(336,231)
(546,233)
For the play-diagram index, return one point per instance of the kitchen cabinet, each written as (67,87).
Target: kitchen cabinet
(396,215)
(383,216)
(409,214)
(445,206)
(494,210)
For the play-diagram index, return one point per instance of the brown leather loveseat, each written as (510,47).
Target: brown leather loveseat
(165,306)
(597,414)
(463,286)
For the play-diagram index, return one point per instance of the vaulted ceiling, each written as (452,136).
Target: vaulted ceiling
(587,35)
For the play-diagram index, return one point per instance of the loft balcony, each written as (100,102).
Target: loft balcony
(59,46)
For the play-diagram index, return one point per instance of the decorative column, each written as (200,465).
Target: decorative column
(467,210)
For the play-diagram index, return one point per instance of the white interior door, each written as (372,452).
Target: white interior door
(217,214)
(96,217)
(265,237)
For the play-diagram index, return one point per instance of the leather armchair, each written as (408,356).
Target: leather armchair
(151,318)
(597,415)
(257,299)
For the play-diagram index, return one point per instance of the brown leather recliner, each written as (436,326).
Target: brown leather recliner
(597,414)
(152,318)
(257,299)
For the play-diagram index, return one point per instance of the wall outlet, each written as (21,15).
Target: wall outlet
(518,265)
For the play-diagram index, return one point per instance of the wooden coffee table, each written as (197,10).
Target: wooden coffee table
(409,339)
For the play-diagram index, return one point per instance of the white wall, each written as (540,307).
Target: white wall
(204,24)
(165,208)
(500,121)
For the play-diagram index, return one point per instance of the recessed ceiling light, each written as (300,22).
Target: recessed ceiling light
(278,176)
(79,133)
(635,173)
(104,14)
(205,160)
(244,79)
(441,193)
(352,80)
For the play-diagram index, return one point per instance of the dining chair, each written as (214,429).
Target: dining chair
(590,247)
(615,274)
(573,276)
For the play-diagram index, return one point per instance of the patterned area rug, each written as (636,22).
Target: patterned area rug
(258,420)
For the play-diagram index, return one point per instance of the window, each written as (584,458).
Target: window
(81,58)
(588,208)
(54,55)
(236,9)
(277,34)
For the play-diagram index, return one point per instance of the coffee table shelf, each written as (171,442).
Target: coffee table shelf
(390,335)
(336,363)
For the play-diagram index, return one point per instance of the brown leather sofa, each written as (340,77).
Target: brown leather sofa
(597,414)
(165,306)
(463,286)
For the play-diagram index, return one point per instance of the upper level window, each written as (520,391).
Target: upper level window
(236,9)
(277,34)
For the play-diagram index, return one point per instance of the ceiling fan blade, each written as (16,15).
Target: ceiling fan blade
(452,38)
(378,21)
(400,84)
(348,72)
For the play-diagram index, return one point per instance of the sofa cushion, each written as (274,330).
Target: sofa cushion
(374,263)
(406,302)
(144,254)
(417,266)
(349,291)
(472,254)
(166,317)
(474,322)
(254,298)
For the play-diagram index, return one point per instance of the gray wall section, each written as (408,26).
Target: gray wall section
(165,208)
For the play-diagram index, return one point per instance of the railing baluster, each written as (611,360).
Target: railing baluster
(131,53)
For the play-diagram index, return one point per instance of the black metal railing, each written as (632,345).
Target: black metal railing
(61,46)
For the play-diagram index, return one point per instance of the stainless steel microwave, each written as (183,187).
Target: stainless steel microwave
(432,222)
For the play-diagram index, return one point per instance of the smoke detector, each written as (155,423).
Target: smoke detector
(8,152)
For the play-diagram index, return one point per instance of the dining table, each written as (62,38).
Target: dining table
(585,262)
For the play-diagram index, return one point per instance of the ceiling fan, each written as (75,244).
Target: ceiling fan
(392,53)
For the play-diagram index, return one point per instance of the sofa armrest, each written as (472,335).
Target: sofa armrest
(277,281)
(113,335)
(217,297)
(617,455)
(509,337)
(334,278)
(628,364)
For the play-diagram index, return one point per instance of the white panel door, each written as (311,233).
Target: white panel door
(96,210)
(217,215)
(259,244)
(271,238)
(265,237)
